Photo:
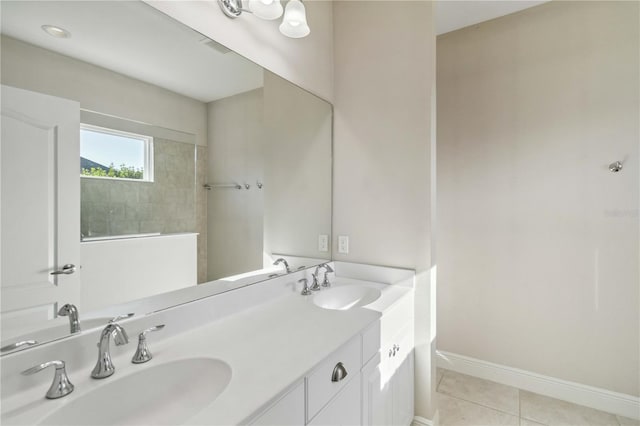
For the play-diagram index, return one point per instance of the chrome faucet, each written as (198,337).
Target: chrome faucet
(104,367)
(327,269)
(286,265)
(72,312)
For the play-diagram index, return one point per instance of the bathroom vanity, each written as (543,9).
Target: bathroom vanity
(262,354)
(206,249)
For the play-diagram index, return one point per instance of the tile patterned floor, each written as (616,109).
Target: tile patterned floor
(468,401)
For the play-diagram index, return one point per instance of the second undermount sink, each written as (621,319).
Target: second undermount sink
(165,394)
(346,297)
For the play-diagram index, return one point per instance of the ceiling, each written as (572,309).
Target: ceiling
(136,40)
(452,14)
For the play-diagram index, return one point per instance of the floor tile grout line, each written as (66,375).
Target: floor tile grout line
(444,370)
(478,404)
(519,404)
(519,415)
(441,378)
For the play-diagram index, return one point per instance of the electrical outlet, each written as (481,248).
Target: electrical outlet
(323,242)
(343,244)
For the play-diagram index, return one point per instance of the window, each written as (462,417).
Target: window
(113,154)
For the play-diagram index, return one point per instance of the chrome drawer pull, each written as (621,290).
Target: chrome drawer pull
(339,373)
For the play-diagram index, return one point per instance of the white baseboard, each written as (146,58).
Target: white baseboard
(589,396)
(421,421)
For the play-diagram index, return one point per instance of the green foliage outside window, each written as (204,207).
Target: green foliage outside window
(123,172)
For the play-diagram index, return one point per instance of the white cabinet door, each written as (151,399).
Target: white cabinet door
(288,411)
(402,384)
(40,206)
(377,401)
(344,408)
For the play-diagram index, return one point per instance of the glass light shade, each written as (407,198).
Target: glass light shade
(294,23)
(266,9)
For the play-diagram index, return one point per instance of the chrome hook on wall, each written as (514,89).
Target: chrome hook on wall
(615,167)
(259,185)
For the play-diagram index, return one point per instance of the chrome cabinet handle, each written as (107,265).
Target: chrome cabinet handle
(339,373)
(67,269)
(61,384)
(18,344)
(143,354)
(393,351)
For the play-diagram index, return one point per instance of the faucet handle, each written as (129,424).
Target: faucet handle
(315,286)
(121,317)
(305,289)
(19,344)
(143,354)
(61,385)
(327,270)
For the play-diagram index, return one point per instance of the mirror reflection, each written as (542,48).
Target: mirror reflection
(145,165)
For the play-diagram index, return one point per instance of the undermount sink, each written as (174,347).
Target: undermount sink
(165,394)
(346,297)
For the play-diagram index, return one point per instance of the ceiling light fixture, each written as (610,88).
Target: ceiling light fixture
(294,24)
(266,9)
(56,32)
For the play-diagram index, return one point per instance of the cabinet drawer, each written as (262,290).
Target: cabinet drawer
(344,409)
(288,411)
(320,387)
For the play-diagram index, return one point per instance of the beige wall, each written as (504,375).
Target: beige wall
(307,62)
(538,241)
(384,73)
(235,225)
(297,169)
(279,136)
(98,89)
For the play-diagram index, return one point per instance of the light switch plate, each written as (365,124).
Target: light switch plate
(323,242)
(343,244)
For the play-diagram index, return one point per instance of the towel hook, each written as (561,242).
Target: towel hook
(615,167)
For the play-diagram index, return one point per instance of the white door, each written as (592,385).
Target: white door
(40,207)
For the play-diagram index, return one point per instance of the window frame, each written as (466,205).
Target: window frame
(148,170)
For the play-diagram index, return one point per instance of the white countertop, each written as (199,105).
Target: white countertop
(269,347)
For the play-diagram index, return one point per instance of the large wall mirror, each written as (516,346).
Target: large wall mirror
(145,165)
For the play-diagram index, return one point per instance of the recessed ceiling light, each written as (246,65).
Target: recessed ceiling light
(56,32)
